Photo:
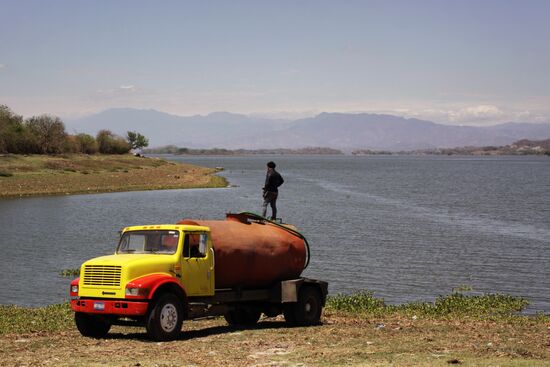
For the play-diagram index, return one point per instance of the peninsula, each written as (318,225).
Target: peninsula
(33,175)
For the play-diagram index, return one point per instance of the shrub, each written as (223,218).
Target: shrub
(49,132)
(86,144)
(14,136)
(71,145)
(108,143)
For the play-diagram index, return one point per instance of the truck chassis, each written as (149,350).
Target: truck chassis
(300,301)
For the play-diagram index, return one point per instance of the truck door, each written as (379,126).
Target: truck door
(198,264)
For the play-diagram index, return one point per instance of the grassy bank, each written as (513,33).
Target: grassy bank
(356,330)
(76,174)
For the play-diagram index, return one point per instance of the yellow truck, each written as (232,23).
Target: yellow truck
(163,274)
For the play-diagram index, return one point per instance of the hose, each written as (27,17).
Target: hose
(290,230)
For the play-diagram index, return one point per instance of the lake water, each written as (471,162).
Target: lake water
(407,228)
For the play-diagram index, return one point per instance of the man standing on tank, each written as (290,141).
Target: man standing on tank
(273,180)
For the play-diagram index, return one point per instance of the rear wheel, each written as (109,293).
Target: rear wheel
(92,326)
(242,317)
(165,318)
(288,312)
(307,311)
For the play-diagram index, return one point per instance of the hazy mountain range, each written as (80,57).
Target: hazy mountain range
(344,131)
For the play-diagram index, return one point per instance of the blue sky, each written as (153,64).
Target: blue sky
(457,62)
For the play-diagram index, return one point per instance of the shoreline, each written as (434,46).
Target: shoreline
(37,175)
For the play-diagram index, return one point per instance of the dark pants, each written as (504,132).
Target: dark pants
(270,198)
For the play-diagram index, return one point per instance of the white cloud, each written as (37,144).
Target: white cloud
(2,66)
(449,114)
(478,113)
(121,90)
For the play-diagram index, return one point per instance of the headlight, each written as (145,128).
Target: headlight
(137,292)
(74,288)
(132,291)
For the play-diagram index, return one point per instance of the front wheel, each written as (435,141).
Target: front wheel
(91,325)
(165,318)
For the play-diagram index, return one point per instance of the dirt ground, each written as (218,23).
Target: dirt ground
(340,340)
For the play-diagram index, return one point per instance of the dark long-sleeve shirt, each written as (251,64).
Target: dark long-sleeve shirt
(273,180)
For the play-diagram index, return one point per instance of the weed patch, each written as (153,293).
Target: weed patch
(456,304)
(15,319)
(68,273)
(359,302)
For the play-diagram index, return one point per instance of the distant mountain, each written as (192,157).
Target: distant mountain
(218,129)
(335,130)
(521,147)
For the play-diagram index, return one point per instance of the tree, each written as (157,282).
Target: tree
(108,143)
(136,140)
(12,131)
(71,145)
(86,144)
(49,132)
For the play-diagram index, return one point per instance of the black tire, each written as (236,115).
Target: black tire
(273,310)
(242,317)
(288,312)
(91,325)
(164,320)
(307,311)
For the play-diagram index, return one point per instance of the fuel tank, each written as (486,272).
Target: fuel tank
(253,253)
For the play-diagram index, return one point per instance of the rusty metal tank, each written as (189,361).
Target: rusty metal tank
(252,253)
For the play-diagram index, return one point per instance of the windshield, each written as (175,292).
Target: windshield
(148,242)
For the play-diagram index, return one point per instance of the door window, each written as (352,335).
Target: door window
(194,245)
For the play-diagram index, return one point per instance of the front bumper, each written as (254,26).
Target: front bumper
(110,307)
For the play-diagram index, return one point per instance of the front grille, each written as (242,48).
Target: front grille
(104,275)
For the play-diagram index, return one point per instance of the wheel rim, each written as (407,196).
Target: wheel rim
(310,308)
(168,318)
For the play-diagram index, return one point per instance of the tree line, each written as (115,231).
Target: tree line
(46,134)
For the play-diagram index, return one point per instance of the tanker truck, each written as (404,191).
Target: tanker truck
(160,275)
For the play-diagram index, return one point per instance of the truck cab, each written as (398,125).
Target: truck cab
(148,260)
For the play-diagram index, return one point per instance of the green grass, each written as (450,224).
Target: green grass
(362,302)
(22,320)
(15,319)
(216,181)
(79,174)
(455,304)
(70,273)
(357,330)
